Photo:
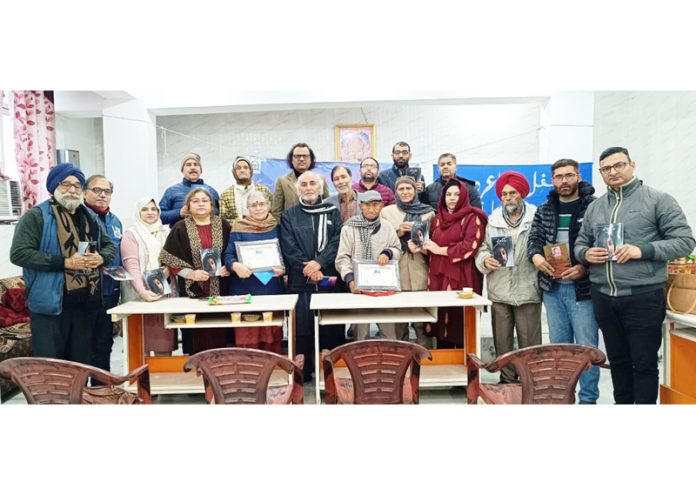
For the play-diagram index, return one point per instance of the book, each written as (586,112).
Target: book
(558,256)
(610,237)
(419,233)
(502,251)
(118,273)
(210,261)
(414,172)
(156,282)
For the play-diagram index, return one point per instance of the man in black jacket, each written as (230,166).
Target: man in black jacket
(309,236)
(564,281)
(447,165)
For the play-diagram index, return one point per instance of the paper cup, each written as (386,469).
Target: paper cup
(267,316)
(190,318)
(466,293)
(236,317)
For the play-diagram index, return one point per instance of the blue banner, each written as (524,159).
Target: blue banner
(539,177)
(267,170)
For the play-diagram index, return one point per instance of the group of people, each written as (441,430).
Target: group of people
(370,218)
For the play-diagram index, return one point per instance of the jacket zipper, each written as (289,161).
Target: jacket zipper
(610,264)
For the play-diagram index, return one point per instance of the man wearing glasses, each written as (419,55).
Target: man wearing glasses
(98,194)
(300,159)
(628,294)
(63,287)
(566,295)
(401,154)
(369,173)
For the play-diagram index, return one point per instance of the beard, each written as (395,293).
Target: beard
(513,208)
(401,163)
(68,202)
(309,198)
(570,191)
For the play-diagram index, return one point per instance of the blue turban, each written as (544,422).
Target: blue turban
(60,172)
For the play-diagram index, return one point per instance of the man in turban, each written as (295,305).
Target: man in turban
(513,288)
(61,246)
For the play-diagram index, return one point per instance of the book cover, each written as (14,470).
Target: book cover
(502,251)
(558,255)
(610,237)
(210,261)
(414,172)
(118,273)
(156,282)
(419,233)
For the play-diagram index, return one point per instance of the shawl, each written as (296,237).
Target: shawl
(414,211)
(248,224)
(150,236)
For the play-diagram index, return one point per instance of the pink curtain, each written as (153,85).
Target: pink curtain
(35,143)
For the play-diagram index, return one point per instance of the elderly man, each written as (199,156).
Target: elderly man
(172,202)
(300,159)
(401,154)
(514,289)
(366,237)
(628,294)
(447,165)
(369,173)
(98,195)
(63,286)
(309,237)
(346,198)
(233,200)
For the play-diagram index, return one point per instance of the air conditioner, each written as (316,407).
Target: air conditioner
(10,200)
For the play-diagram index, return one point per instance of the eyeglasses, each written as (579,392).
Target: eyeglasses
(301,157)
(99,190)
(560,178)
(403,152)
(618,167)
(66,186)
(257,205)
(369,165)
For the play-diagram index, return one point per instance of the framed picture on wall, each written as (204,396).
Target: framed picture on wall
(355,142)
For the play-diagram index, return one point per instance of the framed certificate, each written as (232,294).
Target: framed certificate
(371,276)
(260,256)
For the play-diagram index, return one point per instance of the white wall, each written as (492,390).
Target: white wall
(659,130)
(84,135)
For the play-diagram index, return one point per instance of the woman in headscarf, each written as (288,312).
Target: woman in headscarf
(257,225)
(182,254)
(413,267)
(140,249)
(456,235)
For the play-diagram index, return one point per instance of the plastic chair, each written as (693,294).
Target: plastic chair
(57,381)
(382,371)
(241,376)
(548,374)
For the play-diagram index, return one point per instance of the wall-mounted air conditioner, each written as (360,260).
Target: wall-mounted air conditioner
(10,200)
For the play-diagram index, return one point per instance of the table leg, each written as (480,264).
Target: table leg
(316,356)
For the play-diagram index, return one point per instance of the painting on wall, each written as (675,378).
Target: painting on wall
(355,142)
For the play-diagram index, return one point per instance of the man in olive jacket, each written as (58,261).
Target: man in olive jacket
(628,293)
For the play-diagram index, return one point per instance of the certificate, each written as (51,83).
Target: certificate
(260,256)
(371,276)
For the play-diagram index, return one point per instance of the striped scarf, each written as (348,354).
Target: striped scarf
(321,210)
(516,223)
(365,229)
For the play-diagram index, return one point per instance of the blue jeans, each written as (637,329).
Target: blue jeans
(572,321)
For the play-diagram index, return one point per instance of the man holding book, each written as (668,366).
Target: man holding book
(628,293)
(564,282)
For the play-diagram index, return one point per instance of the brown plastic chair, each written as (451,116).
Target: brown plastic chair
(548,374)
(378,368)
(56,381)
(240,376)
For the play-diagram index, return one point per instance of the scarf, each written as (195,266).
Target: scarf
(69,236)
(461,209)
(366,229)
(414,211)
(516,223)
(248,224)
(177,251)
(320,210)
(150,236)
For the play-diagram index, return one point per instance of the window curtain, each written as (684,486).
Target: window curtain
(2,150)
(35,143)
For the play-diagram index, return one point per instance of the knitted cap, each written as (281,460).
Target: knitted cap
(407,179)
(189,156)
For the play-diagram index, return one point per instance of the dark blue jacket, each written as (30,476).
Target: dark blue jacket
(173,199)
(388,177)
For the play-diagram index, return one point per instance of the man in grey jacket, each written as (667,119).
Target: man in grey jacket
(627,293)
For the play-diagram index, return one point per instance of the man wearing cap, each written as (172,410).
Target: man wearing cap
(366,237)
(98,194)
(233,201)
(172,202)
(514,290)
(447,165)
(63,286)
(369,173)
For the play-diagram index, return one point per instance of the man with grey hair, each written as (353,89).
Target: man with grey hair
(309,236)
(98,194)
(366,237)
(61,245)
(447,166)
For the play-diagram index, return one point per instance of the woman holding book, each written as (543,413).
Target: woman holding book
(413,267)
(456,234)
(140,249)
(182,254)
(257,225)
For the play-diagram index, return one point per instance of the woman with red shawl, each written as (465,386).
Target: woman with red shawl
(456,233)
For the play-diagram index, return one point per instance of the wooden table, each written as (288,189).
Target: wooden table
(167,374)
(679,371)
(448,367)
